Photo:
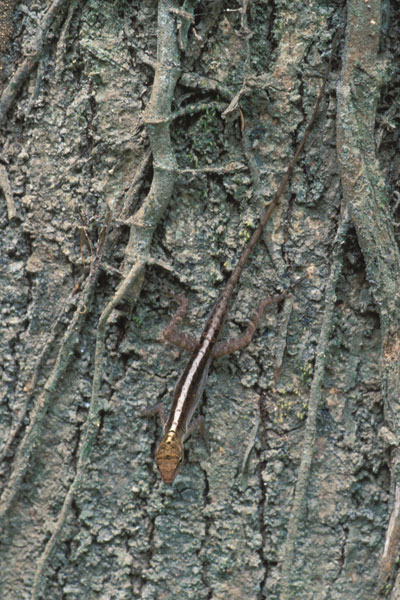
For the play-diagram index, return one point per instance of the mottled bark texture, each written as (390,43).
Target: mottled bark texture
(139,143)
(365,193)
(6,17)
(33,54)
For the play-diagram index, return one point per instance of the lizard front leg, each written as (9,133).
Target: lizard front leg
(154,410)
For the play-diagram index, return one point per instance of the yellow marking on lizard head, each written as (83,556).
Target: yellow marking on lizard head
(169,456)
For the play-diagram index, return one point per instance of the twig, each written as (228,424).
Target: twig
(28,64)
(6,187)
(136,183)
(313,405)
(205,84)
(306,133)
(282,336)
(32,433)
(392,540)
(31,385)
(231,167)
(65,352)
(365,191)
(91,428)
(246,457)
(143,224)
(192,109)
(183,14)
(62,39)
(185,20)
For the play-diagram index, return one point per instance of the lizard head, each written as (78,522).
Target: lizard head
(169,456)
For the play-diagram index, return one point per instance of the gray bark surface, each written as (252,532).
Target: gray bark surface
(139,144)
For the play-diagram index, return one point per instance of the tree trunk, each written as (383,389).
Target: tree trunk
(140,143)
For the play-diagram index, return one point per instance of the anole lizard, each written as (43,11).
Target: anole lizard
(177,426)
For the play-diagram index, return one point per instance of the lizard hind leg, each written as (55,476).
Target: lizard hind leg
(228,346)
(185,341)
(201,424)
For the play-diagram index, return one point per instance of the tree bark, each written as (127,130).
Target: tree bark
(140,143)
(364,191)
